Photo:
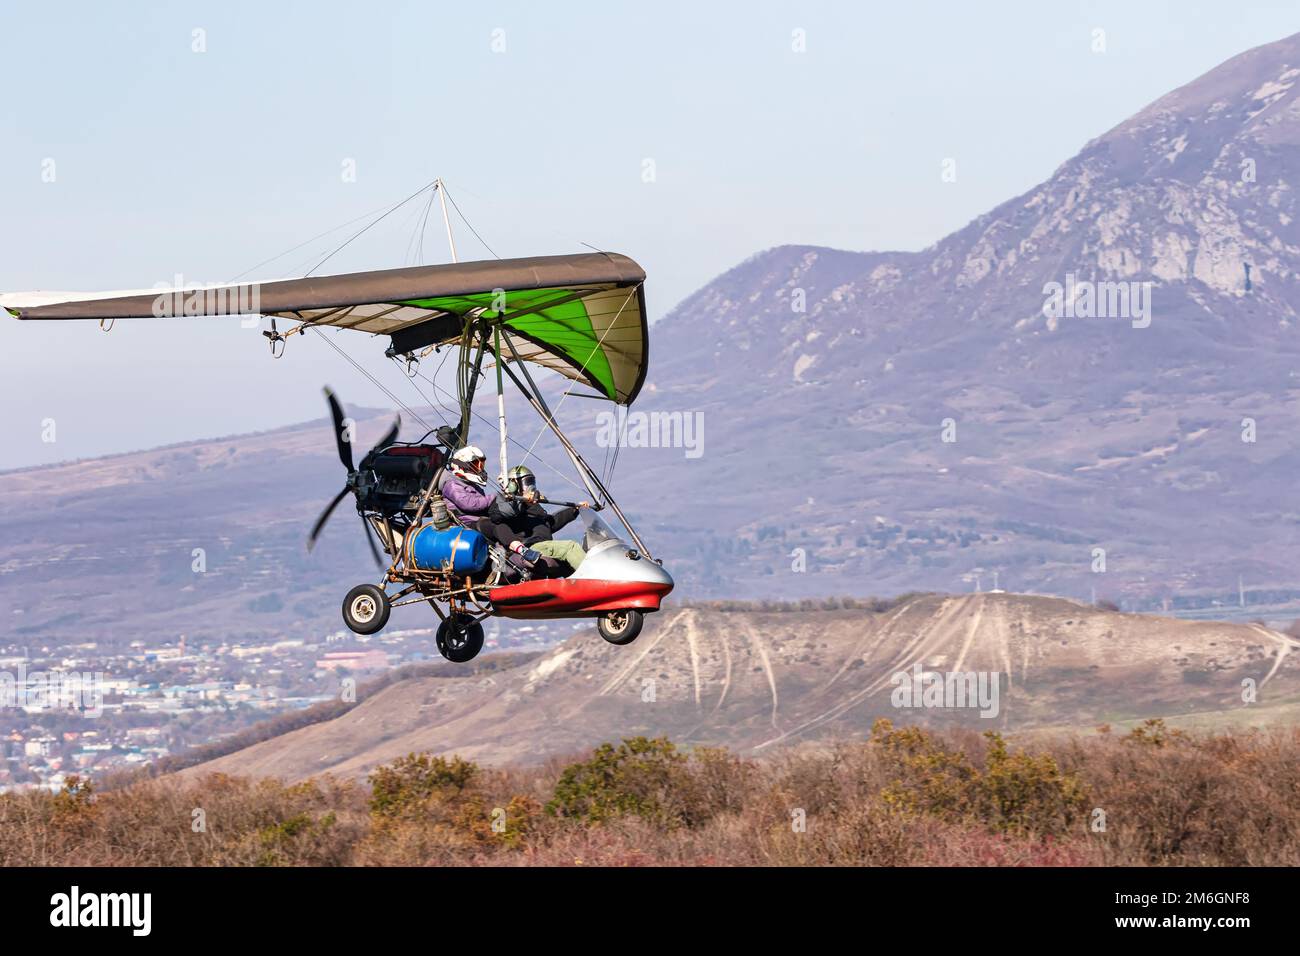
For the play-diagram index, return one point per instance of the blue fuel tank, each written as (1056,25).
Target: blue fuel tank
(460,550)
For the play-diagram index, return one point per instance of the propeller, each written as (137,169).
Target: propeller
(389,436)
(325,516)
(342,434)
(343,438)
(365,527)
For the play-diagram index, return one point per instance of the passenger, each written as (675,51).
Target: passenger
(471,501)
(535,525)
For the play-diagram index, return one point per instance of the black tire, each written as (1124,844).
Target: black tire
(366,609)
(621,627)
(460,638)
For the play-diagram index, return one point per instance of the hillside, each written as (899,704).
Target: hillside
(82,544)
(756,682)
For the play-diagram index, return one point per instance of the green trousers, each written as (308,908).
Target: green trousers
(570,552)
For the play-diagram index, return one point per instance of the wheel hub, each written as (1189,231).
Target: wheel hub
(363,608)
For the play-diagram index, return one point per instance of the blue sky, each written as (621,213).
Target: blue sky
(541,118)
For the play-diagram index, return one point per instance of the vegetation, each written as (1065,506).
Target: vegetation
(638,778)
(905,796)
(1011,793)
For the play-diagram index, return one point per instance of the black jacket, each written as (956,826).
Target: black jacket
(533,522)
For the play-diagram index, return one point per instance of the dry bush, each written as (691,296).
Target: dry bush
(1020,793)
(427,810)
(215,821)
(905,797)
(640,777)
(1173,798)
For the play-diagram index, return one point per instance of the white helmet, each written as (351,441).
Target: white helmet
(467,463)
(468,454)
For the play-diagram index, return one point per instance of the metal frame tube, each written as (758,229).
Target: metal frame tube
(584,470)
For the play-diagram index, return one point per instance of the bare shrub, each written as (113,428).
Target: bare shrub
(906,796)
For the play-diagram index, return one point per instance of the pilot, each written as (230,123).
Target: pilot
(471,502)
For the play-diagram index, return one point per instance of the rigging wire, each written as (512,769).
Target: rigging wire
(264,262)
(411,228)
(620,434)
(434,403)
(558,235)
(466,221)
(428,208)
(374,381)
(359,233)
(438,388)
(299,266)
(415,247)
(467,373)
(604,470)
(611,461)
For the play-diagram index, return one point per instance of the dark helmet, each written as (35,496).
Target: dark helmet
(521,481)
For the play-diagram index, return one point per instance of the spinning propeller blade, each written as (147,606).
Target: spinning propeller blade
(345,455)
(345,446)
(325,516)
(383,443)
(388,438)
(370,540)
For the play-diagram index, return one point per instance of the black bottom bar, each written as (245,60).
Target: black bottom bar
(935,906)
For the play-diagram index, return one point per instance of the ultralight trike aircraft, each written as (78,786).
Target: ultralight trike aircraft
(582,316)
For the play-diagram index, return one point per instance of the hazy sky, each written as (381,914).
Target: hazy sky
(166,159)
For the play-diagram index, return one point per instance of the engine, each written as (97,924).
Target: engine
(391,480)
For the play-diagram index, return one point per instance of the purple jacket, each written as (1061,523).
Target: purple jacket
(466,501)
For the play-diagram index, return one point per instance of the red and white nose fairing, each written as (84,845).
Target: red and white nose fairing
(613,577)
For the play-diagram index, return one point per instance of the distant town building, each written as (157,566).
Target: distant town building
(354,661)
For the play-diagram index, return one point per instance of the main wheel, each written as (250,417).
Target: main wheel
(460,638)
(366,609)
(620,627)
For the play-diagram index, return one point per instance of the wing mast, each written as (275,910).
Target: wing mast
(446,220)
(496,349)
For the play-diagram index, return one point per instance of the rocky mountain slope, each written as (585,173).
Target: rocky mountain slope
(863,423)
(828,381)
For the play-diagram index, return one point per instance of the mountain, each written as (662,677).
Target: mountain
(759,681)
(826,379)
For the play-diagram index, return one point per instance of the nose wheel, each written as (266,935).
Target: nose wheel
(460,638)
(366,609)
(620,627)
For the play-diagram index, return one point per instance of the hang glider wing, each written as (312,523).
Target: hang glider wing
(581,315)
